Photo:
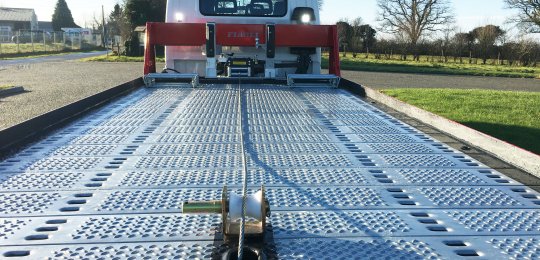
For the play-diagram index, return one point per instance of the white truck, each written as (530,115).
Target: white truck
(243,38)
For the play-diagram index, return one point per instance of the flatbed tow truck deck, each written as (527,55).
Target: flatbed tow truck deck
(344,179)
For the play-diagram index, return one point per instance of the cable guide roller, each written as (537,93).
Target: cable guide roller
(230,208)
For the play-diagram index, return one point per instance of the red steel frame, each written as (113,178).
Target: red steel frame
(194,34)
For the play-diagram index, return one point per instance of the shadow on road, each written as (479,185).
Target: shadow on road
(13,94)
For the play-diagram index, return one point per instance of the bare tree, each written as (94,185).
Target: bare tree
(445,42)
(529,14)
(356,40)
(414,18)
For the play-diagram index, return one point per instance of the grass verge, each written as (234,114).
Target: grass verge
(423,67)
(507,115)
(114,58)
(37,54)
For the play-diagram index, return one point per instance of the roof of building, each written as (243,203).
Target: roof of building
(16,14)
(140,29)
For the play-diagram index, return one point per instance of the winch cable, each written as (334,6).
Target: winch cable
(244,174)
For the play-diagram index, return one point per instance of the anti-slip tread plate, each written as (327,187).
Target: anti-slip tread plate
(344,180)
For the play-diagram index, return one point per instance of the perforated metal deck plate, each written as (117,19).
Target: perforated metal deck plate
(344,180)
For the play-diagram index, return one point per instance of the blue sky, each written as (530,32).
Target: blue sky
(469,13)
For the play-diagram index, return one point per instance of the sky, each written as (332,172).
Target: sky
(469,13)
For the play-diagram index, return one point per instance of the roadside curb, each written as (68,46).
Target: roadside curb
(11,91)
(505,151)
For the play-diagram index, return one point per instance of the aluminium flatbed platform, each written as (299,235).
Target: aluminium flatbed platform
(345,181)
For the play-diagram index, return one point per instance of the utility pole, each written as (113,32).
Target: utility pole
(104,33)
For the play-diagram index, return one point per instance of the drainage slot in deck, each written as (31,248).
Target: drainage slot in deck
(407,203)
(467,253)
(37,237)
(455,243)
(437,229)
(76,202)
(70,209)
(116,163)
(17,253)
(46,229)
(84,195)
(519,190)
(428,221)
(93,185)
(420,215)
(401,196)
(56,221)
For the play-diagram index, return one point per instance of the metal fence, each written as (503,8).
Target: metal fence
(39,41)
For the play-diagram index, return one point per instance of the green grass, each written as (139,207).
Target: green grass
(507,115)
(11,48)
(2,87)
(360,63)
(114,58)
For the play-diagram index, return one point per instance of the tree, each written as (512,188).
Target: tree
(487,36)
(138,13)
(116,20)
(321,3)
(62,17)
(463,42)
(412,19)
(344,35)
(529,14)
(367,34)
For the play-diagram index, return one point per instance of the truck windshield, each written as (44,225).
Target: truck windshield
(253,8)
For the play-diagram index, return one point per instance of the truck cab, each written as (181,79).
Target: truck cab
(244,61)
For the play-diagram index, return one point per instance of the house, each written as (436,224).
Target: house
(14,19)
(141,33)
(45,26)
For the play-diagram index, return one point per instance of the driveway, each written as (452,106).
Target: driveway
(52,58)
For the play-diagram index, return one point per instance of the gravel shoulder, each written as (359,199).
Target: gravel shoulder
(52,85)
(380,80)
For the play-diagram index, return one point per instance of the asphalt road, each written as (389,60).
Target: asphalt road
(379,80)
(51,85)
(53,58)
